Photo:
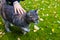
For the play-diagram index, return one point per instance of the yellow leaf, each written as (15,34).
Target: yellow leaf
(0,32)
(36,27)
(52,29)
(0,22)
(42,29)
(35,30)
(18,38)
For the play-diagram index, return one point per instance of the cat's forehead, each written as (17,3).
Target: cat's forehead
(32,12)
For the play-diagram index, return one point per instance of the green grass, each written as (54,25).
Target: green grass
(49,11)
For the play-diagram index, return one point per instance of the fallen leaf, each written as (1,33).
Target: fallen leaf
(0,22)
(42,29)
(18,38)
(35,30)
(36,27)
(40,19)
(52,29)
(0,33)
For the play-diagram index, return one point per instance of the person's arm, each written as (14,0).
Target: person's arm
(16,0)
(17,7)
(12,1)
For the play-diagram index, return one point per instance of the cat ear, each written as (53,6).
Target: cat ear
(36,10)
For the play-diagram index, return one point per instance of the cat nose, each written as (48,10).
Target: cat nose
(36,19)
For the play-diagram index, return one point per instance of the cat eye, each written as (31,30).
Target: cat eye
(30,16)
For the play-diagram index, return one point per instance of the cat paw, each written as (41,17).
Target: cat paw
(8,30)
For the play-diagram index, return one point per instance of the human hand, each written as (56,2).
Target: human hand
(18,8)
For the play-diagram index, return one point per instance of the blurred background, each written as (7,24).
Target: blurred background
(49,22)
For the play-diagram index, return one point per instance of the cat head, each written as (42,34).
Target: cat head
(32,16)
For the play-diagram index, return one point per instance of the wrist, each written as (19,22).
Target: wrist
(16,2)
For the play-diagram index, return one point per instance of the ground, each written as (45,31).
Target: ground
(49,22)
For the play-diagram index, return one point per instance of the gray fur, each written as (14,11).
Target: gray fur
(21,21)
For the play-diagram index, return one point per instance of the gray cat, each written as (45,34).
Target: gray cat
(21,21)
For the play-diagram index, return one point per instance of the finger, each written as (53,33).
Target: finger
(18,11)
(15,10)
(21,11)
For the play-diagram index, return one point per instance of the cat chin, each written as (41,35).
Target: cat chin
(36,22)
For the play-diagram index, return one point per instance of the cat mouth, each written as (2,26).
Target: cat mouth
(36,22)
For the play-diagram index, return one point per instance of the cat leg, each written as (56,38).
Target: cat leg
(25,30)
(7,25)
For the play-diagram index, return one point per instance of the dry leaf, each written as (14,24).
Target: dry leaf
(35,30)
(36,27)
(52,29)
(18,38)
